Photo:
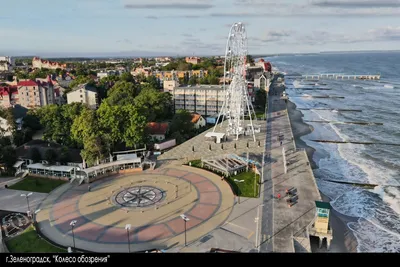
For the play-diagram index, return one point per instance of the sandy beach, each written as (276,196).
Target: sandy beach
(343,238)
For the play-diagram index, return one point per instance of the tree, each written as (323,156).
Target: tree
(80,79)
(122,93)
(134,127)
(250,59)
(193,80)
(155,105)
(153,82)
(261,99)
(64,156)
(51,156)
(84,126)
(8,156)
(35,155)
(95,148)
(127,77)
(182,123)
(57,122)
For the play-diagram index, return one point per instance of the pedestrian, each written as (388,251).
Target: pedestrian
(279,196)
(89,188)
(281,143)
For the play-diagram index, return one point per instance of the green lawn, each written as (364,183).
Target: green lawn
(29,241)
(248,188)
(35,184)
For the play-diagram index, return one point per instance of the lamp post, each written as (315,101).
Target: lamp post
(72,224)
(128,228)
(34,215)
(185,219)
(238,181)
(27,200)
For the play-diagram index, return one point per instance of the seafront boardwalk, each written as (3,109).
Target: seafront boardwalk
(289,223)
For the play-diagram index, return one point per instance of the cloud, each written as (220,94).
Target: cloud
(270,36)
(186,35)
(388,33)
(151,17)
(201,6)
(358,4)
(125,41)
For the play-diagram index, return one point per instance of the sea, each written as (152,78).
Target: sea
(377,227)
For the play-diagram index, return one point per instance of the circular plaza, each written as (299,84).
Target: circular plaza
(150,202)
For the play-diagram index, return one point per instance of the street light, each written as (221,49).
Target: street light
(128,228)
(185,219)
(27,200)
(72,223)
(34,215)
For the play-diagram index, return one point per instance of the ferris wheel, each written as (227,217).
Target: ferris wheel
(237,107)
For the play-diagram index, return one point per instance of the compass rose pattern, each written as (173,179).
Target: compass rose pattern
(139,196)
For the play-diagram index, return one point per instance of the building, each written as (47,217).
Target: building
(169,85)
(33,94)
(176,75)
(8,96)
(84,93)
(193,60)
(205,100)
(138,71)
(157,130)
(4,127)
(38,63)
(265,65)
(262,82)
(198,121)
(6,63)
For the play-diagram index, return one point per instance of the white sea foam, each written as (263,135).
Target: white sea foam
(372,238)
(378,229)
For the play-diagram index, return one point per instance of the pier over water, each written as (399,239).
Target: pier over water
(340,76)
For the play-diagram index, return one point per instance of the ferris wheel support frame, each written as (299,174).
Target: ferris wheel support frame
(237,87)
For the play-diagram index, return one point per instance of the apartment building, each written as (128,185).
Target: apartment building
(8,96)
(6,63)
(176,75)
(193,60)
(33,94)
(170,85)
(205,100)
(47,64)
(85,94)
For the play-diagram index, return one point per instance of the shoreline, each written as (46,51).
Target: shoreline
(343,238)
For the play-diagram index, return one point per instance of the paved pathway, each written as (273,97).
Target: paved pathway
(286,222)
(11,200)
(103,212)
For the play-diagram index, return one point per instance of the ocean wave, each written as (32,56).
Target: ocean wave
(371,238)
(378,229)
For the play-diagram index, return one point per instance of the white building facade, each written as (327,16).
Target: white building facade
(84,94)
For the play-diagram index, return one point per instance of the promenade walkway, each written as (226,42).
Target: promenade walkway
(288,222)
(151,202)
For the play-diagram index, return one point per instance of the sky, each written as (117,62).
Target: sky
(195,27)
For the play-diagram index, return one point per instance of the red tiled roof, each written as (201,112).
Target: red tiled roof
(195,117)
(27,83)
(6,90)
(157,128)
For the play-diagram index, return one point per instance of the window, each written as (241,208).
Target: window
(26,93)
(34,93)
(81,96)
(81,101)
